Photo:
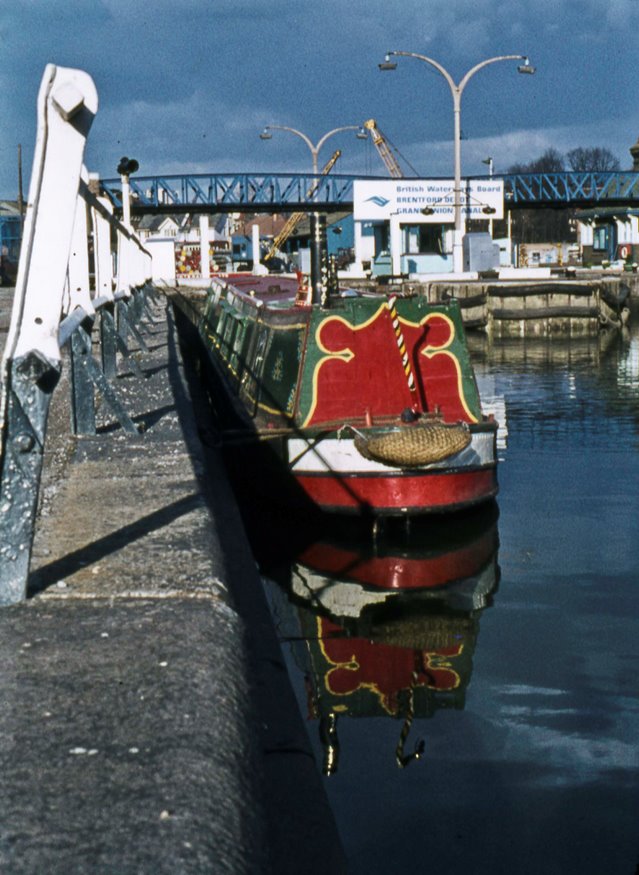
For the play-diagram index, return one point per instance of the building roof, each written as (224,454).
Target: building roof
(154,223)
(303,228)
(270,225)
(603,213)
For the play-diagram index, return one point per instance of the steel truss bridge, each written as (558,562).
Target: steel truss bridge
(287,192)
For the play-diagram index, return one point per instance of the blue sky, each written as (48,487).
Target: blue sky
(187,85)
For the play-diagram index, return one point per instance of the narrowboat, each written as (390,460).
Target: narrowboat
(366,404)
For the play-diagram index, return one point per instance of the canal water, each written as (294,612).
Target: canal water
(485,718)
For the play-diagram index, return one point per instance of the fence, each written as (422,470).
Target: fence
(82,284)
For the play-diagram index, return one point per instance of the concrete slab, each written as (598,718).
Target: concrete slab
(123,742)
(147,721)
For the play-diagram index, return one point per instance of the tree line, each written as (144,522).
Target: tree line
(555,224)
(595,159)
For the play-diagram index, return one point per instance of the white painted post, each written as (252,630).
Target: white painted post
(66,95)
(123,280)
(510,239)
(126,200)
(258,268)
(79,292)
(395,245)
(102,250)
(358,245)
(205,263)
(67,104)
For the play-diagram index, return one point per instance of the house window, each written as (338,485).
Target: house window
(600,238)
(382,237)
(425,239)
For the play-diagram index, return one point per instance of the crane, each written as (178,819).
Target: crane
(294,218)
(382,147)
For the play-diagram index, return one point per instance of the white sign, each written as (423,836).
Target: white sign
(406,198)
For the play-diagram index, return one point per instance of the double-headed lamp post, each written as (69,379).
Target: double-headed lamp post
(319,256)
(314,148)
(456,89)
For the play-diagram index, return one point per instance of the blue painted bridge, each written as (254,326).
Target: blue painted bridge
(286,192)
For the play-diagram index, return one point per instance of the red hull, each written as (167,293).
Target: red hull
(401,572)
(425,492)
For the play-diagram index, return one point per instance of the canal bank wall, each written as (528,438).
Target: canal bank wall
(148,724)
(569,303)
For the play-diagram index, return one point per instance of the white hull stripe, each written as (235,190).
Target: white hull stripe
(341,456)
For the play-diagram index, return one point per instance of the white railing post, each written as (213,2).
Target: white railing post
(55,304)
(67,104)
(102,254)
(79,290)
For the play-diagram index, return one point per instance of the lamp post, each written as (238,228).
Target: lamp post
(319,253)
(126,167)
(314,148)
(489,162)
(456,90)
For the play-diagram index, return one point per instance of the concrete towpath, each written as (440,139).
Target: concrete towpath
(147,724)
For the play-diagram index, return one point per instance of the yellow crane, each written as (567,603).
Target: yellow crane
(295,218)
(382,147)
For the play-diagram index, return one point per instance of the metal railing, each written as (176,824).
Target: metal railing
(82,275)
(272,192)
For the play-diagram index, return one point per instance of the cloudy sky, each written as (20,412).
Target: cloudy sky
(187,85)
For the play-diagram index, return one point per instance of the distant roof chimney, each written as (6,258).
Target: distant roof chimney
(634,151)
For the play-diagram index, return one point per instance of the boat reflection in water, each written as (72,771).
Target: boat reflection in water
(387,627)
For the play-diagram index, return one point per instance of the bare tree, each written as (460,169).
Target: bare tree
(592,159)
(546,224)
(553,224)
(551,161)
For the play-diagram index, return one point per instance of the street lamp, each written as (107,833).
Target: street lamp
(489,162)
(456,90)
(314,149)
(125,168)
(319,254)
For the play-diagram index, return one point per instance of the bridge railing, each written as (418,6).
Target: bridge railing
(220,192)
(572,188)
(72,285)
(223,191)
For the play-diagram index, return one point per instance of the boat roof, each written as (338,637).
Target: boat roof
(273,289)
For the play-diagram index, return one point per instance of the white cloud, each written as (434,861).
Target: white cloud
(435,158)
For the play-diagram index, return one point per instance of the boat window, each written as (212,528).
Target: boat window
(237,362)
(221,323)
(212,302)
(229,331)
(253,369)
